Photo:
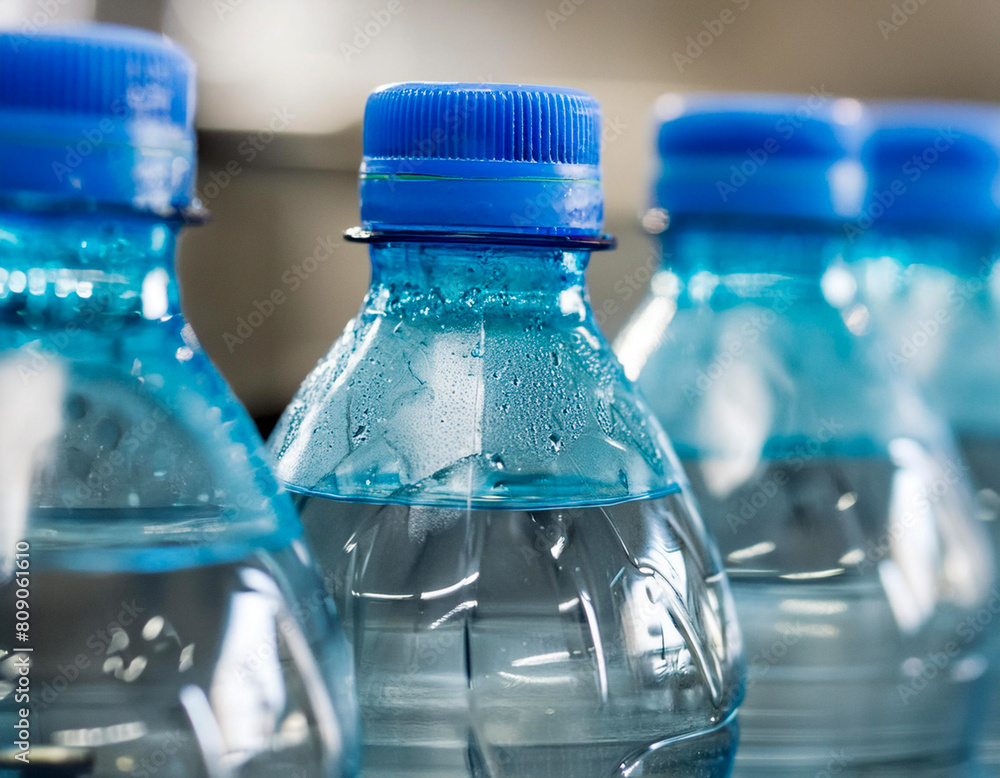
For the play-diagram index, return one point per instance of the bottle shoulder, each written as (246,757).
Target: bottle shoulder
(490,409)
(780,369)
(943,329)
(137,441)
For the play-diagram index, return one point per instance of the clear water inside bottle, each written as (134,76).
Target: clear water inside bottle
(862,652)
(201,670)
(178,625)
(981,452)
(531,643)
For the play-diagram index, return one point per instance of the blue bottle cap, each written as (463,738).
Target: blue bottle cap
(482,158)
(96,114)
(933,165)
(758,155)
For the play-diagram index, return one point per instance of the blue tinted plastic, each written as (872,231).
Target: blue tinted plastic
(554,414)
(177,621)
(528,588)
(843,514)
(926,247)
(936,295)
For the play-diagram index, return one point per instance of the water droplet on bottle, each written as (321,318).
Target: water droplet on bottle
(497,461)
(556,441)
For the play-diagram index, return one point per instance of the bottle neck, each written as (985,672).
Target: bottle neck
(420,280)
(773,320)
(963,254)
(92,271)
(721,264)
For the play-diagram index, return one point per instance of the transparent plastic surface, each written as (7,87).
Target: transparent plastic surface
(843,513)
(178,626)
(936,296)
(527,587)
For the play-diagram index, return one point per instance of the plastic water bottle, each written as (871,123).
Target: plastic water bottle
(527,586)
(927,245)
(846,527)
(159,610)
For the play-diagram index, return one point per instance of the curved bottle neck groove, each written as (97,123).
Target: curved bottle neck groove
(726,263)
(966,255)
(96,271)
(470,280)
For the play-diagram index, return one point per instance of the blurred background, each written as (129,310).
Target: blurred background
(282,87)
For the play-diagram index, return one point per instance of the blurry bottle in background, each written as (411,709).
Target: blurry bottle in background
(176,625)
(527,586)
(846,527)
(926,246)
